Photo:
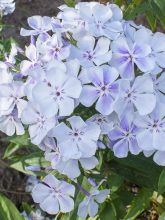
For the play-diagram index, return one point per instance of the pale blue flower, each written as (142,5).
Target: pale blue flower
(54,195)
(123,136)
(104,89)
(7,7)
(69,167)
(126,54)
(152,129)
(39,122)
(99,21)
(90,53)
(89,206)
(11,96)
(55,48)
(138,95)
(40,26)
(59,91)
(11,124)
(79,141)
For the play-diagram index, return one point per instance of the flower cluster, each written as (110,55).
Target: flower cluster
(87,59)
(6,7)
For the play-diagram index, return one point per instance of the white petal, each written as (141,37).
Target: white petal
(145,140)
(50,205)
(101,197)
(61,132)
(72,87)
(76,122)
(159,158)
(88,96)
(86,43)
(51,181)
(66,106)
(92,208)
(82,210)
(89,163)
(40,192)
(145,103)
(66,204)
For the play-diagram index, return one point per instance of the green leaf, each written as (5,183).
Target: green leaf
(109,212)
(161,182)
(11,149)
(140,203)
(27,208)
(157,11)
(138,170)
(115,182)
(21,140)
(21,162)
(70,3)
(152,20)
(133,10)
(8,211)
(160,4)
(162,216)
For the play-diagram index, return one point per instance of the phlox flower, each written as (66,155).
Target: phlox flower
(79,141)
(54,195)
(11,96)
(104,89)
(7,6)
(138,95)
(97,18)
(28,65)
(69,167)
(71,20)
(57,91)
(55,48)
(90,53)
(152,129)
(39,122)
(126,54)
(105,122)
(89,206)
(11,124)
(40,26)
(123,136)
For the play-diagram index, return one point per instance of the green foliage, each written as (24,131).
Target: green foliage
(162,216)
(140,203)
(20,163)
(137,169)
(109,212)
(23,140)
(8,211)
(5,46)
(70,3)
(152,10)
(161,182)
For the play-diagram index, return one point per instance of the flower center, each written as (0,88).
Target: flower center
(58,93)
